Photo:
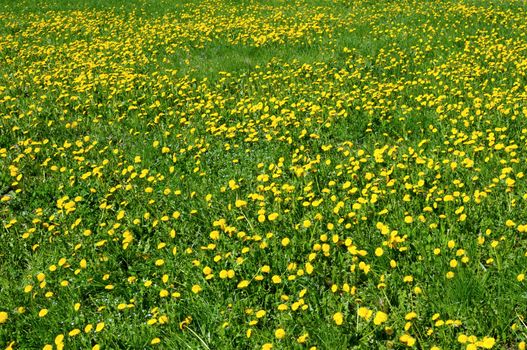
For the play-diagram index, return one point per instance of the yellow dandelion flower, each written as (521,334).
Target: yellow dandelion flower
(380,318)
(276,279)
(365,313)
(74,332)
(279,333)
(272,216)
(59,339)
(42,312)
(243,284)
(338,318)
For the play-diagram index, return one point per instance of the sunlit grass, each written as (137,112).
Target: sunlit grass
(257,175)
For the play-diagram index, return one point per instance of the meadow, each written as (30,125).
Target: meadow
(308,174)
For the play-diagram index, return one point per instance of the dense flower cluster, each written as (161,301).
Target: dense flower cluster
(316,174)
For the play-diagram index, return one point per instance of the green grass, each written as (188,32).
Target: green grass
(145,147)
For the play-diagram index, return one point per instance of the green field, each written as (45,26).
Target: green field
(316,174)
